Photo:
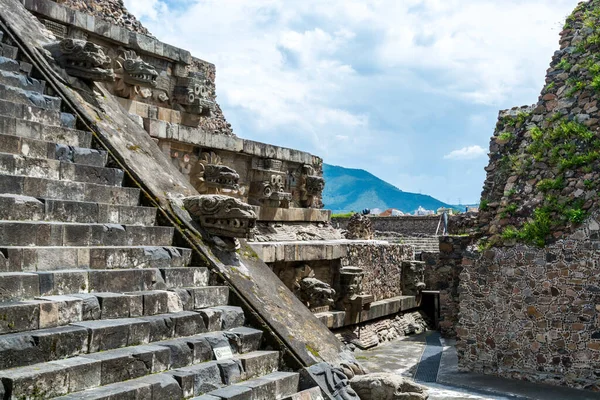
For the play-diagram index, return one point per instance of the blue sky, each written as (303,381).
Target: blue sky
(408,90)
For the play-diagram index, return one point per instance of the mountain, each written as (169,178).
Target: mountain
(355,189)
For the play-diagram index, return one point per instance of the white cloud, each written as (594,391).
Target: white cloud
(146,8)
(466,153)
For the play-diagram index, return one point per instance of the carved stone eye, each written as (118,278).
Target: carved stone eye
(67,45)
(129,64)
(197,90)
(191,96)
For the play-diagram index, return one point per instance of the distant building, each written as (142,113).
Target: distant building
(376,211)
(422,212)
(391,212)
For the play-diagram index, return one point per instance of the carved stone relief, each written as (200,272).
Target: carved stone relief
(360,227)
(334,381)
(210,176)
(82,59)
(221,215)
(268,187)
(133,74)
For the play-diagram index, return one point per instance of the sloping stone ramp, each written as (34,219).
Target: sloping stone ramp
(95,302)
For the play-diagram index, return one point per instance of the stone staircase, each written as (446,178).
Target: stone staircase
(429,244)
(95,302)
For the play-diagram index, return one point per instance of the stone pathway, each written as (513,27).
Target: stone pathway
(414,357)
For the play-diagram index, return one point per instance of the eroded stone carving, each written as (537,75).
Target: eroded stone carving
(384,386)
(192,91)
(360,227)
(221,215)
(351,297)
(271,192)
(413,278)
(82,59)
(315,293)
(334,381)
(269,184)
(133,73)
(212,177)
(310,186)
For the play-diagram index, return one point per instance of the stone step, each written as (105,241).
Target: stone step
(8,51)
(18,286)
(22,146)
(22,233)
(180,383)
(9,64)
(54,311)
(36,114)
(15,79)
(44,132)
(308,394)
(68,190)
(29,97)
(23,208)
(23,259)
(89,371)
(12,65)
(88,337)
(11,164)
(276,385)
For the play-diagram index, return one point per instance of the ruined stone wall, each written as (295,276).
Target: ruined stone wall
(442,273)
(544,170)
(417,225)
(382,264)
(374,333)
(529,306)
(405,225)
(534,313)
(113,11)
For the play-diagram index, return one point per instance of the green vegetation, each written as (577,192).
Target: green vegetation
(522,117)
(483,206)
(546,185)
(509,211)
(575,87)
(343,215)
(565,145)
(505,136)
(550,86)
(564,65)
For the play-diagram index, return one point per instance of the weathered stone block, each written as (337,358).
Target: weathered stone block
(19,317)
(114,305)
(231,317)
(17,286)
(63,282)
(286,382)
(233,393)
(209,296)
(231,371)
(207,377)
(259,363)
(243,339)
(62,342)
(70,309)
(112,334)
